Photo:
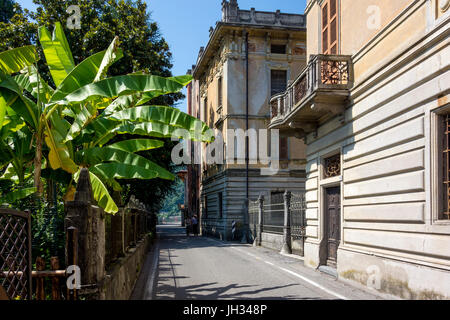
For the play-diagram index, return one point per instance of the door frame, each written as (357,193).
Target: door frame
(326,222)
(331,183)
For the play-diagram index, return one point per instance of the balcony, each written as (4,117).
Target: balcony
(319,93)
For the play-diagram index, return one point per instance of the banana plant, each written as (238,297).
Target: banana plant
(78,119)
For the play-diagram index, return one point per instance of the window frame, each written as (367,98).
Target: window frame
(278,46)
(219,92)
(326,25)
(272,71)
(437,174)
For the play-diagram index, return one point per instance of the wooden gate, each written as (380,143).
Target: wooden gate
(333,224)
(15,254)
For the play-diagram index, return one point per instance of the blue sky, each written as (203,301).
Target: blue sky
(185,24)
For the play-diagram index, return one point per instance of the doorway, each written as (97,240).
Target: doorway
(332,224)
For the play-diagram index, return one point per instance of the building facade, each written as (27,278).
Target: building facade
(250,56)
(373,108)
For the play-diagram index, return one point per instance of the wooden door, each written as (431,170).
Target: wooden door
(333,224)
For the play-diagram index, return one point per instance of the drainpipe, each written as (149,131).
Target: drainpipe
(247,160)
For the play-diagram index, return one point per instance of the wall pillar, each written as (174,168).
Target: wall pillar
(89,219)
(287,249)
(259,229)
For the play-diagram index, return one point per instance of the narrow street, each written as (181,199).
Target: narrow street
(200,268)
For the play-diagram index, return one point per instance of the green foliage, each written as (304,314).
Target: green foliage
(63,124)
(102,21)
(6,10)
(170,206)
(16,30)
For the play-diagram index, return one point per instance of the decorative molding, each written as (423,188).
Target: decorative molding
(444,5)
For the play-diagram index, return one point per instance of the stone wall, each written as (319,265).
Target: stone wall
(121,277)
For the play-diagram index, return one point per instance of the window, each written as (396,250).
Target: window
(284,148)
(330,27)
(278,81)
(220,204)
(444,166)
(220,93)
(278,48)
(205,110)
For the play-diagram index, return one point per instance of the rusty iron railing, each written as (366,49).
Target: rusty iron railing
(323,72)
(16,274)
(15,254)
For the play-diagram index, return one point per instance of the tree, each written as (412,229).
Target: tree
(143,46)
(69,119)
(6,10)
(16,29)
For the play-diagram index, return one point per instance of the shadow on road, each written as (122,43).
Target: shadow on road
(168,287)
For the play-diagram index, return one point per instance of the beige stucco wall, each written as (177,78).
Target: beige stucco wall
(233,71)
(388,212)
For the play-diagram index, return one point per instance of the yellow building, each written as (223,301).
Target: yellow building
(250,56)
(373,108)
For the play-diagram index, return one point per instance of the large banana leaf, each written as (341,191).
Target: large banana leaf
(159,130)
(119,104)
(102,130)
(81,75)
(24,106)
(59,156)
(30,80)
(28,110)
(183,80)
(17,195)
(85,73)
(3,106)
(81,119)
(120,86)
(94,156)
(57,53)
(112,55)
(12,61)
(137,145)
(101,194)
(124,171)
(164,115)
(109,181)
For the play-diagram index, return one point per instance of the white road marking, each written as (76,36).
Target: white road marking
(337,295)
(315,284)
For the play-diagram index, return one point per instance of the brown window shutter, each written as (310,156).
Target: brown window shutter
(330,27)
(284,148)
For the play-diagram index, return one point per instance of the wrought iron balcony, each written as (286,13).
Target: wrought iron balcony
(318,93)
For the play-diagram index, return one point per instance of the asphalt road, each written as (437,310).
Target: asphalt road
(200,268)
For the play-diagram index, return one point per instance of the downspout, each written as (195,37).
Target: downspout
(247,160)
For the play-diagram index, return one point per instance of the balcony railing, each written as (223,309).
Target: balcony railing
(324,73)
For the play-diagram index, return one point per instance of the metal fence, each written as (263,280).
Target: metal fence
(273,217)
(273,221)
(298,216)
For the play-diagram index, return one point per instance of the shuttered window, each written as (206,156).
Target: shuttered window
(330,27)
(284,148)
(278,80)
(220,93)
(444,128)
